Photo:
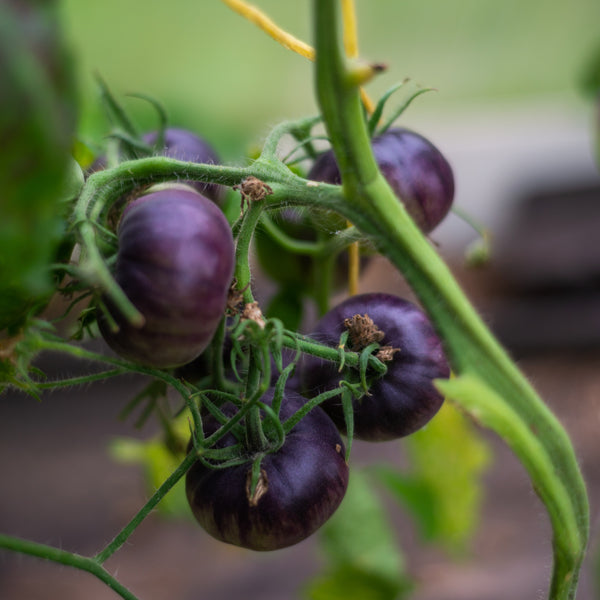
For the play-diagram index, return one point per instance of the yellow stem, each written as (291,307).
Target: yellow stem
(350,29)
(351,49)
(287,40)
(262,21)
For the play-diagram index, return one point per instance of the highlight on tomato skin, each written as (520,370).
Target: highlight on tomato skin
(416,170)
(303,483)
(175,264)
(404,399)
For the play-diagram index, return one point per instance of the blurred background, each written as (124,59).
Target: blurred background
(510,114)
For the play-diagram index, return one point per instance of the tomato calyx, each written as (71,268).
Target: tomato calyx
(252,312)
(364,336)
(362,331)
(252,189)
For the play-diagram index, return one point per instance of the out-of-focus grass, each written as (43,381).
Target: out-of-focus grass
(218,74)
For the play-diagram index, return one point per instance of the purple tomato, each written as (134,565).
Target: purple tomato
(404,398)
(416,170)
(175,263)
(302,484)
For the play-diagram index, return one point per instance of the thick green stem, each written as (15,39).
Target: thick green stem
(371,205)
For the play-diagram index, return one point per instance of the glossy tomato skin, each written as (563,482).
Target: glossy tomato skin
(404,399)
(416,170)
(175,263)
(307,479)
(182,144)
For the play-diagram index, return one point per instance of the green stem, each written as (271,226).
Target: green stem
(256,386)
(372,206)
(242,272)
(70,381)
(69,559)
(306,345)
(217,373)
(323,281)
(124,534)
(269,150)
(78,352)
(286,241)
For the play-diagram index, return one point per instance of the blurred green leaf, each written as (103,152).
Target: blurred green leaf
(590,81)
(352,583)
(37,120)
(158,461)
(366,561)
(288,306)
(443,489)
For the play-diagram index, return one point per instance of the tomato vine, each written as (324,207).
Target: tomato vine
(246,428)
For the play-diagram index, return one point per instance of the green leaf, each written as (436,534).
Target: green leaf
(158,461)
(376,116)
(352,583)
(37,119)
(443,489)
(365,559)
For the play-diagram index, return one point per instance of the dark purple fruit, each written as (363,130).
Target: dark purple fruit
(416,170)
(302,483)
(175,263)
(185,145)
(402,400)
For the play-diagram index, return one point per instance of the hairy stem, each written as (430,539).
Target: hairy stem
(371,205)
(69,559)
(160,493)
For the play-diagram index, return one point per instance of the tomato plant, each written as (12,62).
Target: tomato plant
(156,268)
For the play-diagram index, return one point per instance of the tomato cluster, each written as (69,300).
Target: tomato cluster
(258,485)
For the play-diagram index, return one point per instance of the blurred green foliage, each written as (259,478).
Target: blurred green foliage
(37,122)
(443,488)
(220,75)
(365,560)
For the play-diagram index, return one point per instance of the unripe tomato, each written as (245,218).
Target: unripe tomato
(402,400)
(303,483)
(175,263)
